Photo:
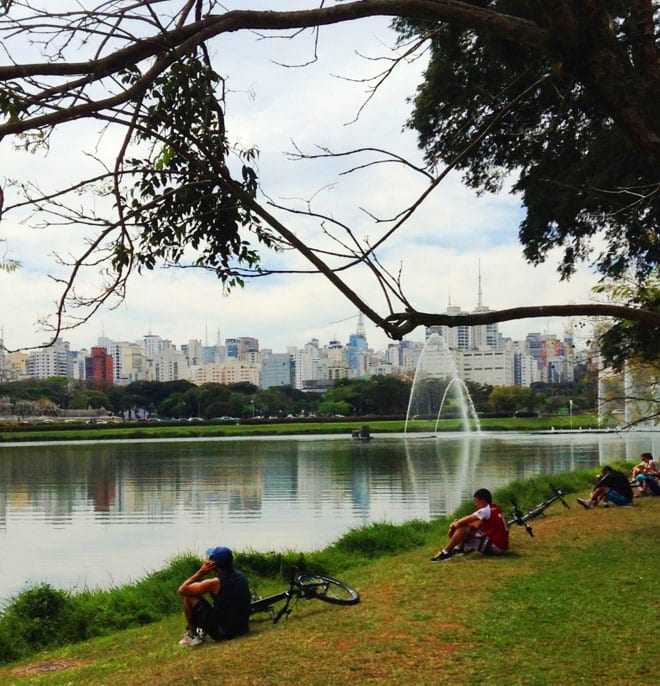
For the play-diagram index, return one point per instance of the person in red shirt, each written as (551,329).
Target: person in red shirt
(484,530)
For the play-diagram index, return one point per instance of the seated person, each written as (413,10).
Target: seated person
(645,475)
(229,614)
(485,530)
(613,486)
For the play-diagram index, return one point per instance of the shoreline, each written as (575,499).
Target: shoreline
(149,431)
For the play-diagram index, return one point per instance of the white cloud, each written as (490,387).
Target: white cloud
(440,248)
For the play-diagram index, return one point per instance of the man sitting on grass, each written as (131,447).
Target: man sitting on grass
(612,486)
(229,614)
(484,530)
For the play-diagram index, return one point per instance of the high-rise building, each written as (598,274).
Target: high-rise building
(276,370)
(152,345)
(492,367)
(194,352)
(51,361)
(356,350)
(98,366)
(169,365)
(484,336)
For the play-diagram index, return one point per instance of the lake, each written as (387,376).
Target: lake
(90,514)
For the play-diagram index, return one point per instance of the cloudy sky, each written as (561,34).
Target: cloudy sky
(272,104)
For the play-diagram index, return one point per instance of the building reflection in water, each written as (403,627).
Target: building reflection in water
(106,513)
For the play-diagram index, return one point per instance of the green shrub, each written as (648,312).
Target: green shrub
(41,616)
(382,538)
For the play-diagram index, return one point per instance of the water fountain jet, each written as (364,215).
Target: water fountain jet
(436,363)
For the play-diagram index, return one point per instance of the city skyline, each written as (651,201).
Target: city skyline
(209,340)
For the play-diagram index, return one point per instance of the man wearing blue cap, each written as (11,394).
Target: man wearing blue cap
(229,613)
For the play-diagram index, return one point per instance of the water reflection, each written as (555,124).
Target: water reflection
(101,514)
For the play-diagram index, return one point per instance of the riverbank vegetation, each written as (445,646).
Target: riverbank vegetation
(414,617)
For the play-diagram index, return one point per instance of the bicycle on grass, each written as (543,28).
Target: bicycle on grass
(520,518)
(306,587)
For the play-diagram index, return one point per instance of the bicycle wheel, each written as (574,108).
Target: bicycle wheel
(327,589)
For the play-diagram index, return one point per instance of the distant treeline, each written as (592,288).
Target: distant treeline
(375,396)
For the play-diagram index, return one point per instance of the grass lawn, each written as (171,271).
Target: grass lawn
(576,604)
(13,433)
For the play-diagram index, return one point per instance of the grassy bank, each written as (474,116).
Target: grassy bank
(18,433)
(569,605)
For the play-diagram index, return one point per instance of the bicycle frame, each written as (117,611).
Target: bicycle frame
(307,586)
(521,518)
(266,604)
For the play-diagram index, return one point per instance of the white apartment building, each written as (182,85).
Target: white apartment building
(169,365)
(78,364)
(194,351)
(308,364)
(228,372)
(526,369)
(485,336)
(152,345)
(52,361)
(493,367)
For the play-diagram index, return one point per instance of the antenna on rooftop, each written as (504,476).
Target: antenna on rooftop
(479,293)
(360,325)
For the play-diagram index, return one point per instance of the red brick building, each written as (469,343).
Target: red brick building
(98,366)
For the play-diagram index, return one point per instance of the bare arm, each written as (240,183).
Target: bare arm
(468,520)
(193,586)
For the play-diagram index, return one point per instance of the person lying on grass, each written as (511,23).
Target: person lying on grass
(229,614)
(484,530)
(612,486)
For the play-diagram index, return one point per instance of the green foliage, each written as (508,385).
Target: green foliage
(382,538)
(509,399)
(82,399)
(182,198)
(579,174)
(43,616)
(38,618)
(55,388)
(626,341)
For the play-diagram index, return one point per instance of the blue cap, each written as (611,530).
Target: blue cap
(221,556)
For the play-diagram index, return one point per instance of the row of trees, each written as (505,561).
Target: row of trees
(377,396)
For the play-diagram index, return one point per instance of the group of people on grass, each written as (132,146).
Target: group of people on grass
(613,486)
(485,531)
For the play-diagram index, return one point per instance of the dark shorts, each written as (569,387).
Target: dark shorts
(616,497)
(204,617)
(477,540)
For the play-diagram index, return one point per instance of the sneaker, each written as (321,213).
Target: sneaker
(190,640)
(457,552)
(585,503)
(441,556)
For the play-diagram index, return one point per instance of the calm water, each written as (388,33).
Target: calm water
(98,514)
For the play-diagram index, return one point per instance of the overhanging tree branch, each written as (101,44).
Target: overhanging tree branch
(569,55)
